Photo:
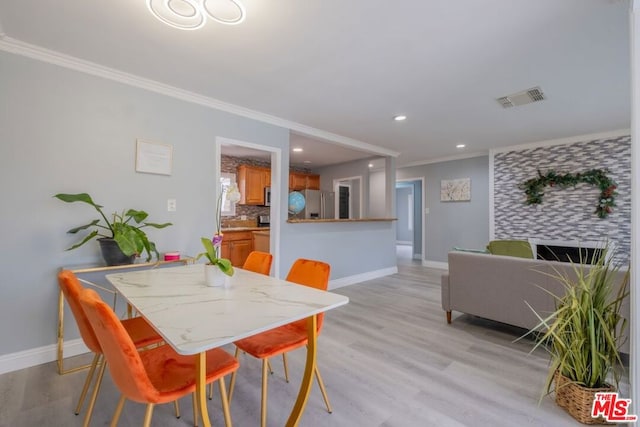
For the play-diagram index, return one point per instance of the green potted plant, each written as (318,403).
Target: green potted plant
(121,238)
(584,334)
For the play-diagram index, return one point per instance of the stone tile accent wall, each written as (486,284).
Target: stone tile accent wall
(565,214)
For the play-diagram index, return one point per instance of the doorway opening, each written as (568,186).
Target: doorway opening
(410,239)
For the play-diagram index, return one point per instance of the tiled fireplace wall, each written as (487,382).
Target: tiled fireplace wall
(565,214)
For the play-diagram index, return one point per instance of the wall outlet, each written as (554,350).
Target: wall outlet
(171,205)
(243,217)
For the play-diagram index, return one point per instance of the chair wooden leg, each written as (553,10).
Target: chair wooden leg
(232,383)
(210,391)
(263,405)
(94,395)
(147,415)
(269,367)
(323,390)
(87,382)
(286,368)
(116,415)
(225,402)
(177,408)
(195,409)
(449,316)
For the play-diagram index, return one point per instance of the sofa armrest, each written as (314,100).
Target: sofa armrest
(444,287)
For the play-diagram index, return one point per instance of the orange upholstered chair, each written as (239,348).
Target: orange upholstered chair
(258,262)
(157,375)
(289,337)
(142,335)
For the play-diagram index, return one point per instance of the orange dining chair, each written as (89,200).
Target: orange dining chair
(258,262)
(142,335)
(158,375)
(289,337)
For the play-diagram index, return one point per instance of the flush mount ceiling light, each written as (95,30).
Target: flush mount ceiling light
(400,118)
(460,146)
(193,14)
(297,150)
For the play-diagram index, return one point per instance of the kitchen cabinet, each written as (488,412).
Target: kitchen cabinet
(313,182)
(303,181)
(261,241)
(267,177)
(297,181)
(251,183)
(236,246)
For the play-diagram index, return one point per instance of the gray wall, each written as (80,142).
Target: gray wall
(66,131)
(449,224)
(347,170)
(377,207)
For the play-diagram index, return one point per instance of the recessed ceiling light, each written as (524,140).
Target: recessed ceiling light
(370,165)
(460,146)
(400,117)
(297,150)
(306,162)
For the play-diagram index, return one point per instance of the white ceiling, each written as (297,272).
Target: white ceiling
(315,154)
(347,67)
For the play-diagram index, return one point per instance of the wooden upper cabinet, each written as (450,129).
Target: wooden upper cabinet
(303,181)
(313,182)
(297,181)
(267,177)
(251,183)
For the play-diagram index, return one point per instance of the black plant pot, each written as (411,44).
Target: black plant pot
(112,253)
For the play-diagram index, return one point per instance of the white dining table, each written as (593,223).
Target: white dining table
(193,317)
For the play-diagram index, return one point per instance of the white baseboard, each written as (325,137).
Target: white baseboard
(39,355)
(357,278)
(436,264)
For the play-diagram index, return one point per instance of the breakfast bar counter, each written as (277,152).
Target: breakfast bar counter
(301,221)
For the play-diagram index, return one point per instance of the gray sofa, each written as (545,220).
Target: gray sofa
(496,287)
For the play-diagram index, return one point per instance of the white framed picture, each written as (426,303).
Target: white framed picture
(153,157)
(455,190)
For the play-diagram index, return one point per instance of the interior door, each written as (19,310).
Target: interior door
(343,202)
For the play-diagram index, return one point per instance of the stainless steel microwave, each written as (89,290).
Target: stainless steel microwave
(267,196)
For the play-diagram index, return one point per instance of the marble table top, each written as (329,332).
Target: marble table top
(193,317)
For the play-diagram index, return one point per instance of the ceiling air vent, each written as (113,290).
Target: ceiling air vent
(521,98)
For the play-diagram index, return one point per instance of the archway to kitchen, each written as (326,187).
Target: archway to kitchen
(257,215)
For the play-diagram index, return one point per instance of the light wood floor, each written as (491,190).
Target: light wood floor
(388,358)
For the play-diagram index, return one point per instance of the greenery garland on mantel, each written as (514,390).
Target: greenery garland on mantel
(534,187)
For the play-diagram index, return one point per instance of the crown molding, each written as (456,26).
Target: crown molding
(560,141)
(19,47)
(444,159)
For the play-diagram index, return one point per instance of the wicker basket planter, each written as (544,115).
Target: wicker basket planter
(578,400)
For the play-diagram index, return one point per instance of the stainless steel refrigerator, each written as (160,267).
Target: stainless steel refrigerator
(318,204)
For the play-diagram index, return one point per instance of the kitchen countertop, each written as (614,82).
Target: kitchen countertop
(231,229)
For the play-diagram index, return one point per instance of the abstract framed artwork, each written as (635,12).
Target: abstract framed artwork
(455,190)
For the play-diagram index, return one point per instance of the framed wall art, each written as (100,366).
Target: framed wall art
(152,157)
(455,190)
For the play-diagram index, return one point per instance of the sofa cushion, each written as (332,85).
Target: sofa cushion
(515,248)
